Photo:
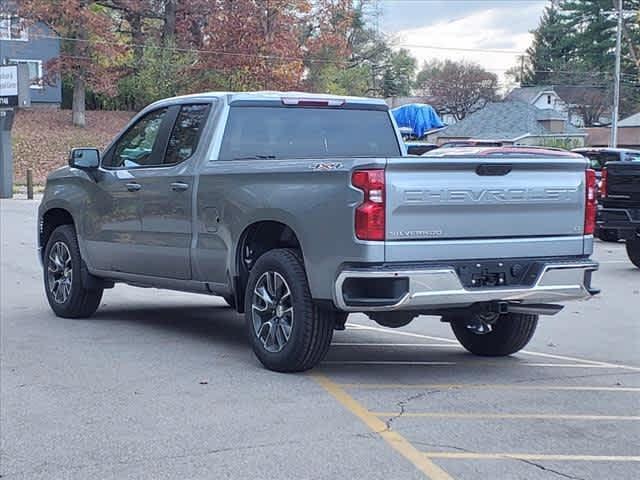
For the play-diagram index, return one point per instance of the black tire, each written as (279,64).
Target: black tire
(392,319)
(633,251)
(608,235)
(81,301)
(511,333)
(311,327)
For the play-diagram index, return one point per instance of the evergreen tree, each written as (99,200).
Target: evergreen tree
(574,45)
(550,51)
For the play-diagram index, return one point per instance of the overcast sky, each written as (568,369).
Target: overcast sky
(464,24)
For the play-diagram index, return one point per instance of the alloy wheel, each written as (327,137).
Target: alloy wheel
(272,311)
(59,272)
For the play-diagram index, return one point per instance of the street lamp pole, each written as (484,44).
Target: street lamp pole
(616,88)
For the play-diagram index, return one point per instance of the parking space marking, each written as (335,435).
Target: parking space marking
(470,363)
(387,362)
(507,416)
(526,352)
(478,386)
(367,344)
(531,456)
(393,438)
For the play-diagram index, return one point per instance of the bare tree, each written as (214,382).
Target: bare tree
(457,88)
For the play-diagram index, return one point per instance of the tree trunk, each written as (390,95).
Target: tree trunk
(169,28)
(79,97)
(137,36)
(80,50)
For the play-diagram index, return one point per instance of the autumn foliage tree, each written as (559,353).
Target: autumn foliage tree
(128,53)
(90,52)
(253,44)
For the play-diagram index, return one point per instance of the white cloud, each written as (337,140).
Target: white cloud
(497,28)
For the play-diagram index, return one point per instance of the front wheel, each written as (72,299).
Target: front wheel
(633,251)
(496,335)
(288,332)
(64,284)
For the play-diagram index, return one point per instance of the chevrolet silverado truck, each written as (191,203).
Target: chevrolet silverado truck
(619,206)
(299,209)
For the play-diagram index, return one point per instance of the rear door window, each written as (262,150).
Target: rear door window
(186,133)
(295,132)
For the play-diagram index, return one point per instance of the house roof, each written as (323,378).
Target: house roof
(527,94)
(632,121)
(506,121)
(567,93)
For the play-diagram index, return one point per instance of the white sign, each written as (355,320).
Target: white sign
(8,81)
(8,85)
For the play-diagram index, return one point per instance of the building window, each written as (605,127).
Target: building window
(35,71)
(548,99)
(13,28)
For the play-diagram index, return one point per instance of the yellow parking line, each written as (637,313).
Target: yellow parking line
(531,456)
(472,386)
(531,416)
(394,439)
(526,352)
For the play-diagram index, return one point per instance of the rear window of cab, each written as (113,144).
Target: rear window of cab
(254,132)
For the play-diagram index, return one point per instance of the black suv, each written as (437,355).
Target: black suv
(598,158)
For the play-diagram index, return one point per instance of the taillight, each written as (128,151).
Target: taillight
(590,202)
(604,179)
(370,214)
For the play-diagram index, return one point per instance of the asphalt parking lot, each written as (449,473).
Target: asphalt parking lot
(163,385)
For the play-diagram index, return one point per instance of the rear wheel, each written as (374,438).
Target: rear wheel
(494,335)
(288,332)
(633,251)
(608,235)
(64,275)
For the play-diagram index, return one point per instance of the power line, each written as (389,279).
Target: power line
(305,59)
(461,49)
(192,50)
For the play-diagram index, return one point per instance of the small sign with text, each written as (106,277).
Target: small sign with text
(8,86)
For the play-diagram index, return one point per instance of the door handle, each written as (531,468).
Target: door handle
(133,187)
(179,186)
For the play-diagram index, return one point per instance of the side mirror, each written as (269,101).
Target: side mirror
(84,158)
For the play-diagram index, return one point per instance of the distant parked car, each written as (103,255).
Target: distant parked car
(619,209)
(510,151)
(418,148)
(600,156)
(472,143)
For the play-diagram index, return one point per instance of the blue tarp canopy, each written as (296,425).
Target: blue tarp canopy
(420,117)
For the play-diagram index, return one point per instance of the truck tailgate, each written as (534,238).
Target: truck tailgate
(623,185)
(471,199)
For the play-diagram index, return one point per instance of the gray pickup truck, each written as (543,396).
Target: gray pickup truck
(299,209)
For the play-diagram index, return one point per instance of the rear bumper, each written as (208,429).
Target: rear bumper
(626,222)
(440,288)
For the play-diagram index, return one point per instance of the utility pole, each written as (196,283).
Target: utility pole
(616,87)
